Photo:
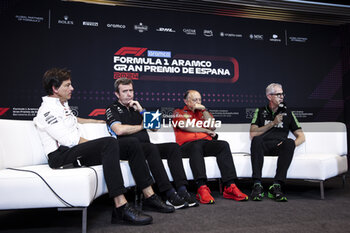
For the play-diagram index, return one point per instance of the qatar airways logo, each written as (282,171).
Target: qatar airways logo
(190,31)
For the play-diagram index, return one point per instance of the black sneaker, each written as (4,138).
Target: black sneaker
(176,201)
(275,192)
(129,215)
(191,200)
(257,192)
(154,203)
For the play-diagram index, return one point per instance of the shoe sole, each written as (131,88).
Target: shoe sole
(193,204)
(177,207)
(271,196)
(227,196)
(157,210)
(258,198)
(203,202)
(123,222)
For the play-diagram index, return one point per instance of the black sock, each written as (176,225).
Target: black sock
(181,189)
(257,181)
(200,183)
(121,208)
(170,192)
(277,182)
(228,183)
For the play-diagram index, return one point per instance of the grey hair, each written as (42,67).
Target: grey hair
(270,89)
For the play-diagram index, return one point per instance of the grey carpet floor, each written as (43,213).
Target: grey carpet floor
(304,212)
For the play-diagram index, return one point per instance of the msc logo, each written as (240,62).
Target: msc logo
(3,110)
(256,37)
(97,112)
(151,120)
(131,50)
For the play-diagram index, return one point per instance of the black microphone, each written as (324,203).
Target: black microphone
(282,108)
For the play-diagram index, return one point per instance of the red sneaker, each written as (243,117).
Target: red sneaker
(234,193)
(203,195)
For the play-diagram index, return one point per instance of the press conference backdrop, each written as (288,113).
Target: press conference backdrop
(228,60)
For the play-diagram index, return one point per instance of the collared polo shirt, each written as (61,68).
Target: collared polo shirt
(118,113)
(265,115)
(186,114)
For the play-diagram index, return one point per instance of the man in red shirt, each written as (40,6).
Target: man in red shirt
(194,131)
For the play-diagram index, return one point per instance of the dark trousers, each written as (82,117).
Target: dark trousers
(285,152)
(196,150)
(106,151)
(154,154)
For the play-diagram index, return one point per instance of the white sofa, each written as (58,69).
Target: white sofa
(322,156)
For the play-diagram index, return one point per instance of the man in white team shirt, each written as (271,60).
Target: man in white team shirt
(63,144)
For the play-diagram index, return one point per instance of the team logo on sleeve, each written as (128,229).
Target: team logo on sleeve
(151,120)
(50,119)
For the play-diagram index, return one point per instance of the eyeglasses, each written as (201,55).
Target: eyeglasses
(279,95)
(196,100)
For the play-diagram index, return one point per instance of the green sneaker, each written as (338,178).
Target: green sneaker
(276,193)
(257,192)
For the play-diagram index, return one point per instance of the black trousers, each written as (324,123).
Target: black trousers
(260,147)
(154,154)
(108,152)
(196,150)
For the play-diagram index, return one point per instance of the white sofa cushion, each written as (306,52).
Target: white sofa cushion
(77,186)
(307,166)
(319,158)
(27,190)
(20,144)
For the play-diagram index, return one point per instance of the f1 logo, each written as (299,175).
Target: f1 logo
(151,120)
(131,50)
(98,111)
(3,110)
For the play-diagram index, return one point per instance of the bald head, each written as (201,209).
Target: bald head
(192,98)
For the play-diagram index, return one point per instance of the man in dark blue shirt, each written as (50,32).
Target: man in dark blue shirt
(269,132)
